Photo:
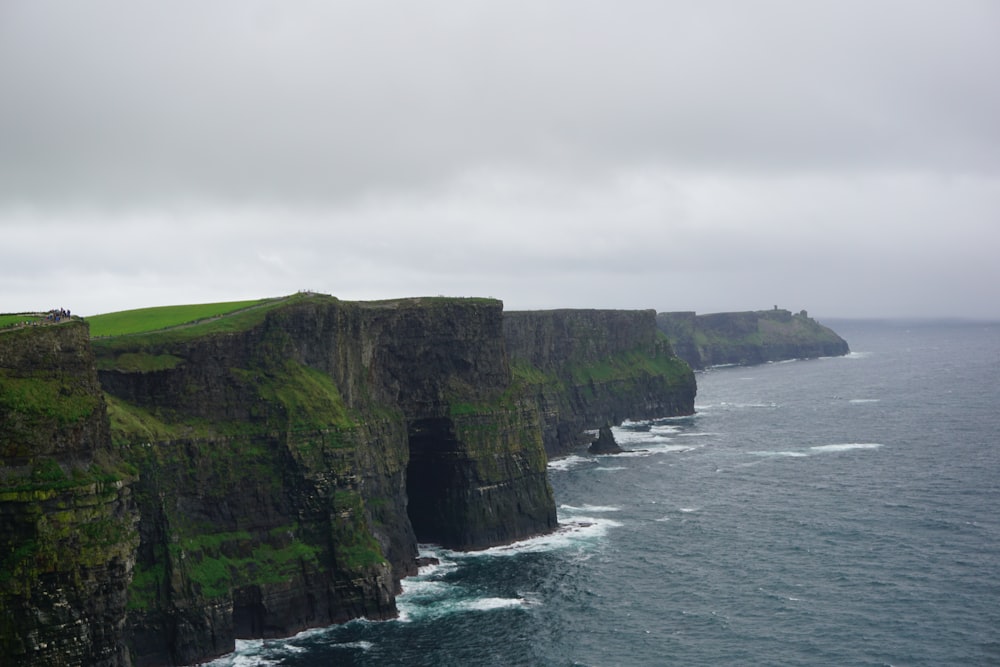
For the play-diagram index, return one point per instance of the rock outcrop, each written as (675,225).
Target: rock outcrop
(746,338)
(605,442)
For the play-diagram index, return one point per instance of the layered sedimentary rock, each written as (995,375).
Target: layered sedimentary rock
(276,463)
(746,338)
(67,522)
(588,368)
(274,470)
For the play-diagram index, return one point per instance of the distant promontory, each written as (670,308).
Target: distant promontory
(750,337)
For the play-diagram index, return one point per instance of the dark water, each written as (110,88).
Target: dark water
(839,511)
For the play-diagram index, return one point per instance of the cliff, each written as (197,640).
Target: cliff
(288,468)
(588,368)
(253,475)
(745,338)
(67,522)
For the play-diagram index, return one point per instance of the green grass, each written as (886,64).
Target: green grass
(422,301)
(139,362)
(144,320)
(219,562)
(46,398)
(629,365)
(12,320)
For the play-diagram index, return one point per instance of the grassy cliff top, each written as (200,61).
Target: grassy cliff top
(10,320)
(429,301)
(145,320)
(233,315)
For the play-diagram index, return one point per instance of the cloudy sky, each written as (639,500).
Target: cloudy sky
(841,156)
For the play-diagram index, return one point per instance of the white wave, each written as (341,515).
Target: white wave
(856,355)
(864,400)
(695,435)
(579,531)
(610,468)
(488,604)
(360,644)
(419,587)
(782,453)
(248,653)
(429,594)
(446,607)
(306,634)
(591,508)
(689,509)
(452,602)
(433,570)
(649,451)
(847,446)
(625,437)
(675,419)
(568,462)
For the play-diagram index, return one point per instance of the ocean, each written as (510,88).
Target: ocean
(837,511)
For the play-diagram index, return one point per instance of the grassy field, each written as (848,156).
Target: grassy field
(11,320)
(145,320)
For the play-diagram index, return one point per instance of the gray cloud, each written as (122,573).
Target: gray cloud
(840,156)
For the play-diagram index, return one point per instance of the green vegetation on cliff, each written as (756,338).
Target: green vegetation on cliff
(69,532)
(588,368)
(47,387)
(144,320)
(14,319)
(36,398)
(250,470)
(751,337)
(630,364)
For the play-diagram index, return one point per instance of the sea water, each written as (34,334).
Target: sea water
(838,511)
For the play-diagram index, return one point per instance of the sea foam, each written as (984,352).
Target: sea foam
(569,462)
(847,446)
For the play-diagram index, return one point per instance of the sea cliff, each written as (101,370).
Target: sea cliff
(588,368)
(746,338)
(167,492)
(67,519)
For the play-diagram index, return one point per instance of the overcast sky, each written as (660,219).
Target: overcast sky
(839,156)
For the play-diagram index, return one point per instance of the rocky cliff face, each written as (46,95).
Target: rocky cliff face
(67,522)
(588,368)
(275,470)
(288,469)
(745,338)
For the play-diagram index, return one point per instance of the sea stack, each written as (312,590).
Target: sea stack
(605,443)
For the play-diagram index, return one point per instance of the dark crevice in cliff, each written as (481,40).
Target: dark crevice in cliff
(436,470)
